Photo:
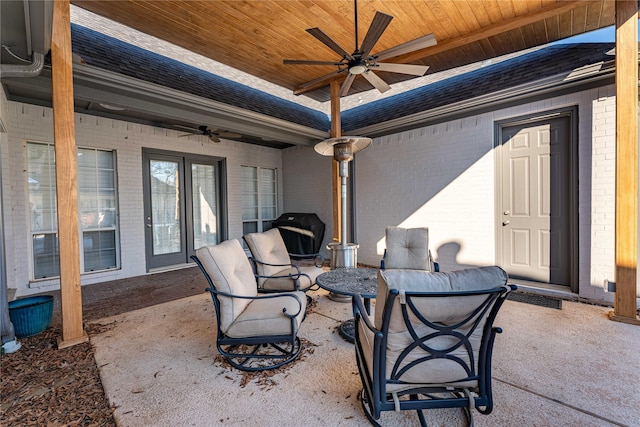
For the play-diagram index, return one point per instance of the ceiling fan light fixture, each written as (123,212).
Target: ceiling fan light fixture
(357,69)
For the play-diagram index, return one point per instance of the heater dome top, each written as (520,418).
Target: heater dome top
(357,143)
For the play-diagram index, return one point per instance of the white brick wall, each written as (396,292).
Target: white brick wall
(34,123)
(443,177)
(439,176)
(307,186)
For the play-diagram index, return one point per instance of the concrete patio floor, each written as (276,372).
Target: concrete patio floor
(551,367)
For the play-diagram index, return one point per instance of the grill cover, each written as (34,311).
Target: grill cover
(302,232)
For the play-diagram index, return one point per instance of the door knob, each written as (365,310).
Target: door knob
(505,222)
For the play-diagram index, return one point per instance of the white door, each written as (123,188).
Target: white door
(536,201)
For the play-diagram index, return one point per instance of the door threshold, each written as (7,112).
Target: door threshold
(170,268)
(547,289)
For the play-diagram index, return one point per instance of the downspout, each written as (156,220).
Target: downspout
(31,70)
(39,20)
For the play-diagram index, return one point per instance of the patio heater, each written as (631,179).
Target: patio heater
(343,254)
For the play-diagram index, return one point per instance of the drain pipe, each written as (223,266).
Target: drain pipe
(40,16)
(31,70)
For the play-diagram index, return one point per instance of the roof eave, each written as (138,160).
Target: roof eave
(594,74)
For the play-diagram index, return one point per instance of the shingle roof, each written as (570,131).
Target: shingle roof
(545,62)
(111,54)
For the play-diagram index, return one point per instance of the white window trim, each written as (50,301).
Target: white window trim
(55,279)
(260,220)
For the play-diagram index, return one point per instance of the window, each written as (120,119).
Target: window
(259,199)
(97,209)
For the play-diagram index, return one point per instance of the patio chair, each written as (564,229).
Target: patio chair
(272,265)
(430,341)
(255,332)
(408,248)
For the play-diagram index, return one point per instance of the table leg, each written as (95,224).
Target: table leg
(339,297)
(347,329)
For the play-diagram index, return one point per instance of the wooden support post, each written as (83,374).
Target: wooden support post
(66,176)
(336,131)
(626,162)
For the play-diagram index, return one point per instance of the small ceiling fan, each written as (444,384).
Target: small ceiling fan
(213,134)
(361,61)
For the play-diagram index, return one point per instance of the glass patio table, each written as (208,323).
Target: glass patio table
(351,281)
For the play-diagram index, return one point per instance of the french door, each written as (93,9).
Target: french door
(182,206)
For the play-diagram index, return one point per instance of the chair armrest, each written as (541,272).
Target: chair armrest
(262,296)
(384,257)
(359,312)
(318,260)
(294,276)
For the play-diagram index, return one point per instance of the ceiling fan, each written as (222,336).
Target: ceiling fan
(361,61)
(213,134)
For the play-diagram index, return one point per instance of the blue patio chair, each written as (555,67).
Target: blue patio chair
(272,264)
(408,248)
(254,332)
(430,341)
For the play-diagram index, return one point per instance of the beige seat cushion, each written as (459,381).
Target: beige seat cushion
(230,271)
(282,283)
(264,316)
(270,248)
(443,310)
(407,248)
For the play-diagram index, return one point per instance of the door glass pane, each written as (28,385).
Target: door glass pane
(203,191)
(165,207)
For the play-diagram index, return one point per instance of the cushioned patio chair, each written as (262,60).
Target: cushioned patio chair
(255,332)
(272,265)
(408,248)
(430,341)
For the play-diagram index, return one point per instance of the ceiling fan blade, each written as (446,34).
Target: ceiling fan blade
(228,135)
(214,138)
(329,42)
(377,27)
(188,128)
(376,81)
(346,85)
(307,62)
(415,70)
(411,46)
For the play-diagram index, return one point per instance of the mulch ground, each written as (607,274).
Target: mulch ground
(43,386)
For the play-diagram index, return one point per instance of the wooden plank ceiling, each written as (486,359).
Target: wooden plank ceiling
(255,36)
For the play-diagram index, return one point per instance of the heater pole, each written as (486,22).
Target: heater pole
(344,171)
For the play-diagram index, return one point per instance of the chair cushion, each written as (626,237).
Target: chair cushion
(281,283)
(270,248)
(442,310)
(230,271)
(264,316)
(287,284)
(422,281)
(312,271)
(407,248)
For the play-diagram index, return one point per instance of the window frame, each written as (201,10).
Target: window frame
(259,194)
(53,229)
